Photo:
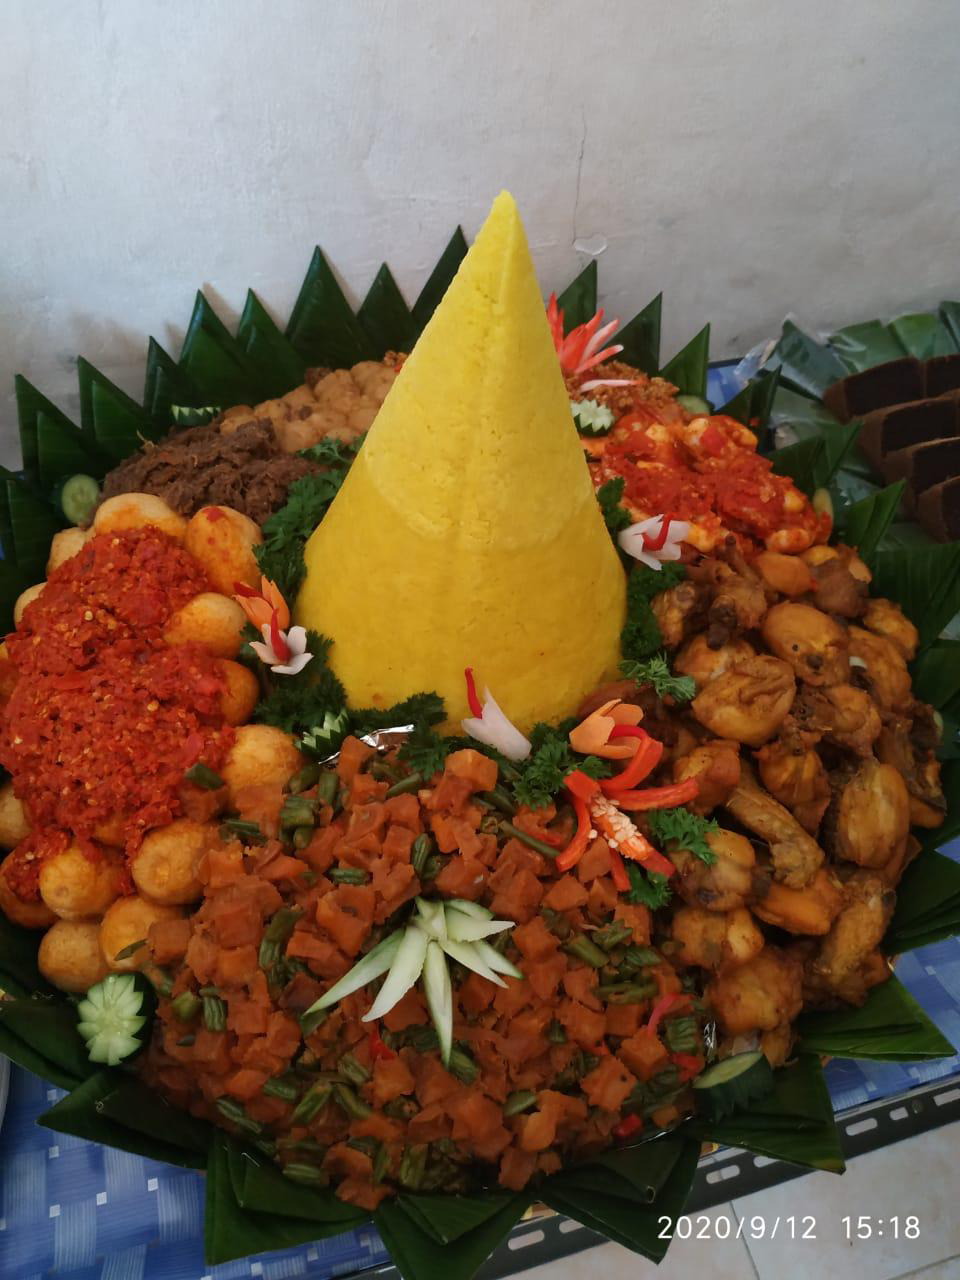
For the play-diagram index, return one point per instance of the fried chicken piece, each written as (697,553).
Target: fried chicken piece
(675,610)
(712,939)
(920,769)
(760,995)
(749,702)
(704,662)
(775,1045)
(811,910)
(796,856)
(716,767)
(341,404)
(813,644)
(793,773)
(840,966)
(729,882)
(787,575)
(872,815)
(885,618)
(891,872)
(739,600)
(840,582)
(883,667)
(843,714)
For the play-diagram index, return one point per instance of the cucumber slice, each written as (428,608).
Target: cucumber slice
(732,1084)
(113,1017)
(188,416)
(591,418)
(78,498)
(695,404)
(324,739)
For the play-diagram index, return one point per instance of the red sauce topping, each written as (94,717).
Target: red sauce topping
(105,717)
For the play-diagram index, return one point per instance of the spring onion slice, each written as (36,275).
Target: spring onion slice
(439,992)
(371,966)
(405,969)
(111,1018)
(466,954)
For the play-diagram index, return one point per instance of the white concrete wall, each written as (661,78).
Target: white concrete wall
(746,158)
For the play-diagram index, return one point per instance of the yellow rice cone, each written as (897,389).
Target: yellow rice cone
(467,532)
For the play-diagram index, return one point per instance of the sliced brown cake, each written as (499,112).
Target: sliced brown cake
(894,382)
(886,431)
(938,510)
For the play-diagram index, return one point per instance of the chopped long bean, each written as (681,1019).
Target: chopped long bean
(405,786)
(327,788)
(353,1105)
(307,1174)
(308,777)
(353,1070)
(581,947)
(214,1013)
(348,875)
(421,851)
(530,841)
(201,775)
(312,1102)
(520,1101)
(279,1088)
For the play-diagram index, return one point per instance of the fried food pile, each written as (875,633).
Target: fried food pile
(815,759)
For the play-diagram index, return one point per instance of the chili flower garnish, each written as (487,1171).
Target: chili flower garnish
(592,737)
(489,725)
(654,540)
(284,651)
(580,349)
(261,606)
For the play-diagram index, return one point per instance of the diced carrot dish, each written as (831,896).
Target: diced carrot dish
(545,1065)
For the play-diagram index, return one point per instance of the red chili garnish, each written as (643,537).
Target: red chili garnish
(277,641)
(690,1065)
(713,440)
(578,845)
(659,797)
(242,589)
(640,765)
(657,543)
(627,1127)
(473,701)
(618,872)
(377,1048)
(581,784)
(662,1007)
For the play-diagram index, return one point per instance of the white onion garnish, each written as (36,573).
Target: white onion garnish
(494,729)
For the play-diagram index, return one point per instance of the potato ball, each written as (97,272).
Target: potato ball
(236,417)
(165,868)
(138,511)
(74,886)
(111,831)
(25,598)
(213,622)
(70,955)
(260,754)
(14,823)
(222,541)
(240,696)
(126,922)
(28,914)
(65,546)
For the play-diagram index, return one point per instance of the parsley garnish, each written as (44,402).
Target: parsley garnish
(552,758)
(640,637)
(615,517)
(657,673)
(682,829)
(422,710)
(333,453)
(648,888)
(297,703)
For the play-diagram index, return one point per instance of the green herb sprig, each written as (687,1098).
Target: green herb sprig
(656,672)
(681,829)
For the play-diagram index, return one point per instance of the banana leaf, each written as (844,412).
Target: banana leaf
(264,1189)
(687,370)
(112,422)
(923,335)
(804,363)
(753,405)
(49,1027)
(925,582)
(640,338)
(33,408)
(936,675)
(28,525)
(950,315)
(928,904)
(866,522)
(323,329)
(801,461)
(795,1122)
(215,362)
(19,975)
(439,280)
(385,316)
(279,369)
(578,301)
(165,384)
(419,1256)
(861,346)
(447,1218)
(889,1027)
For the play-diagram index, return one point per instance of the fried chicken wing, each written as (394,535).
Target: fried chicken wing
(716,767)
(739,600)
(712,939)
(793,773)
(675,609)
(841,967)
(885,618)
(813,643)
(872,815)
(883,667)
(760,995)
(703,662)
(748,703)
(843,714)
(731,881)
(919,768)
(786,574)
(805,911)
(840,580)
(796,856)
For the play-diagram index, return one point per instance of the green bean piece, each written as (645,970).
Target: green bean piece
(186,1006)
(499,799)
(327,788)
(368,1146)
(530,841)
(249,832)
(310,1021)
(209,990)
(280,1088)
(432,867)
(400,1108)
(126,952)
(381,1163)
(612,935)
(300,839)
(489,824)
(312,1102)
(308,777)
(353,1070)
(556,1033)
(161,980)
(520,1101)
(413,1165)
(235,1113)
(309,1145)
(382,772)
(348,875)
(557,923)
(681,1034)
(276,935)
(462,1066)
(626,992)
(421,851)
(266,1145)
(201,775)
(422,1039)
(402,788)
(306,1174)
(354,1106)
(581,947)
(214,1013)
(636,958)
(297,811)
(187,1041)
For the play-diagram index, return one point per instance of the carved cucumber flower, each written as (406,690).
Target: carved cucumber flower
(437,929)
